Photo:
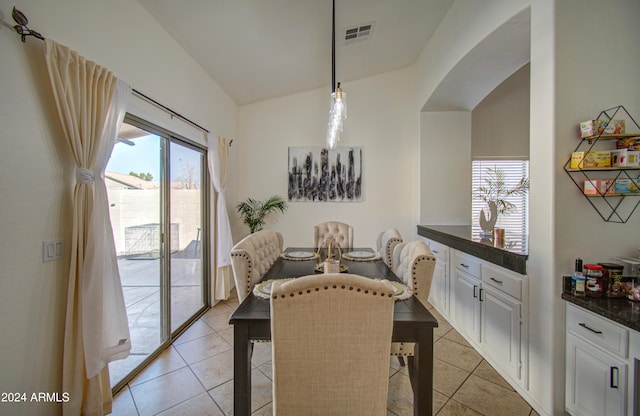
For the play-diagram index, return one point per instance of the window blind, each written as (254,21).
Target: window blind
(516,222)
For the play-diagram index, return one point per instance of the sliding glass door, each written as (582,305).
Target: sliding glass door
(157,196)
(185,197)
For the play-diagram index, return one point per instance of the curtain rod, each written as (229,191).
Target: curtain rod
(24,31)
(168,110)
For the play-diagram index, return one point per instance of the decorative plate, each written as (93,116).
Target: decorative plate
(398,289)
(401,291)
(263,289)
(300,254)
(360,254)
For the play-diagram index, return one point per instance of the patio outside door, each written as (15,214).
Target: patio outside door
(157,191)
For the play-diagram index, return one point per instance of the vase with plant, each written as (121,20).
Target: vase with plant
(254,212)
(495,193)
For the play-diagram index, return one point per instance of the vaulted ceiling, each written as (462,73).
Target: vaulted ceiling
(261,49)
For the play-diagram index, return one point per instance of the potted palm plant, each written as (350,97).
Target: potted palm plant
(254,212)
(495,193)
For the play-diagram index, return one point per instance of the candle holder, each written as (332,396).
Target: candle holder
(330,264)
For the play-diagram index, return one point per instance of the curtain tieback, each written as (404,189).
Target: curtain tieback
(84,175)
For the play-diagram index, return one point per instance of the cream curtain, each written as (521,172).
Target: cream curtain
(217,158)
(91,104)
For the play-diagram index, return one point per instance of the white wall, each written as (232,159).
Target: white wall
(35,202)
(445,167)
(381,121)
(583,89)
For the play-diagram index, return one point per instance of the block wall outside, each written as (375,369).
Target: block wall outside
(135,208)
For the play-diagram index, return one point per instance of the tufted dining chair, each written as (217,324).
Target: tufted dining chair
(385,243)
(343,233)
(331,338)
(413,263)
(252,256)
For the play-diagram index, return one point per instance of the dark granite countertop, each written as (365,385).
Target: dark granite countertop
(512,255)
(621,310)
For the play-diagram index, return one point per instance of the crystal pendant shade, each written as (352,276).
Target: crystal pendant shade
(337,114)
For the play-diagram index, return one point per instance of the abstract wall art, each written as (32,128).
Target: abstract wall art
(317,174)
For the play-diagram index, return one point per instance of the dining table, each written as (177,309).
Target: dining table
(412,323)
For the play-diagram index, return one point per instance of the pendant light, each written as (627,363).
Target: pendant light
(338,110)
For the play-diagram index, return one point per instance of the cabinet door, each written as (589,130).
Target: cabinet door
(596,382)
(438,296)
(500,329)
(466,306)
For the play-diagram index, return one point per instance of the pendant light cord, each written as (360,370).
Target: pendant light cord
(333,47)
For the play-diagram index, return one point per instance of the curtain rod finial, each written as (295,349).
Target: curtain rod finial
(21,26)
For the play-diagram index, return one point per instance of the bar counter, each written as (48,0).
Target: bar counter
(512,255)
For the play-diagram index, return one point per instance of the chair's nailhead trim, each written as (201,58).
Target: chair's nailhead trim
(366,291)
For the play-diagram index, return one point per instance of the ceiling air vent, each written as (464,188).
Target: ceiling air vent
(358,33)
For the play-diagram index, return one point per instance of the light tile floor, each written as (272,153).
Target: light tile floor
(194,376)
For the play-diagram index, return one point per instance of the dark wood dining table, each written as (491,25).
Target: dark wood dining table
(412,322)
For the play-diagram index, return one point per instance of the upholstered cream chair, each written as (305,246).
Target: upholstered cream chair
(331,338)
(341,232)
(252,256)
(414,263)
(386,242)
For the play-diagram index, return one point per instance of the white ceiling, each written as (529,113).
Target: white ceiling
(261,49)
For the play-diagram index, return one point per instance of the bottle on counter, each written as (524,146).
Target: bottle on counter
(578,285)
(594,282)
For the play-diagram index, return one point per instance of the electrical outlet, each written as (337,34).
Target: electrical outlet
(52,250)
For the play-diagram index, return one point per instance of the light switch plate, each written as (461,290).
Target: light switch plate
(52,250)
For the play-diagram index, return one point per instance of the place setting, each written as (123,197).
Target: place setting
(361,255)
(299,255)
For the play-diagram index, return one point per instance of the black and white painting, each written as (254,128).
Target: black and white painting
(325,175)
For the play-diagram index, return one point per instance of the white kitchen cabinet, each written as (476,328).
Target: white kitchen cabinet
(503,320)
(597,365)
(489,308)
(466,305)
(440,285)
(500,329)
